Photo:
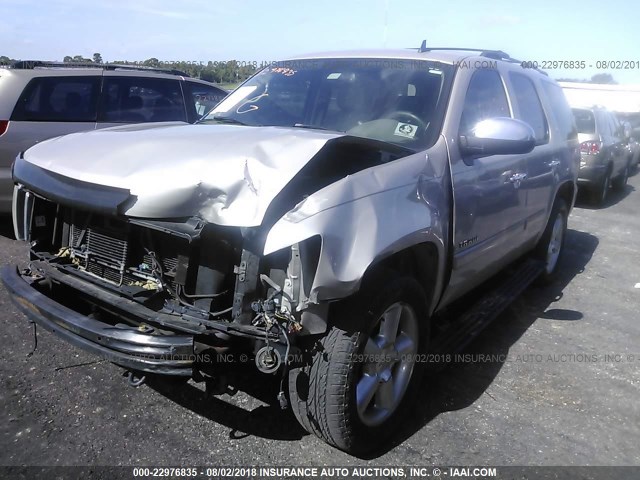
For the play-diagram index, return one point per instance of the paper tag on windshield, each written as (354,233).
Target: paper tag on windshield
(406,130)
(234,98)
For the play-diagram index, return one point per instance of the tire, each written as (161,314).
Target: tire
(550,248)
(348,366)
(620,182)
(600,192)
(635,162)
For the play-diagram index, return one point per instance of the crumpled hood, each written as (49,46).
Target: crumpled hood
(225,173)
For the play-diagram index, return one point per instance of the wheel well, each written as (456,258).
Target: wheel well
(418,261)
(567,192)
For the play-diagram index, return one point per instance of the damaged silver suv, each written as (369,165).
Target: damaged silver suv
(313,224)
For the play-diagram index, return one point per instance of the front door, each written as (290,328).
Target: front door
(490,213)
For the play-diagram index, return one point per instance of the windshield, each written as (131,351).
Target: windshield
(396,101)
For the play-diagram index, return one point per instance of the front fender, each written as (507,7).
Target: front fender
(366,217)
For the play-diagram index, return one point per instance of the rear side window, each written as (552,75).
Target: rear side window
(140,99)
(560,110)
(529,108)
(485,99)
(202,98)
(58,99)
(585,120)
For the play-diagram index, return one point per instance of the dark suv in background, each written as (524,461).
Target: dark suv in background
(631,121)
(40,100)
(604,154)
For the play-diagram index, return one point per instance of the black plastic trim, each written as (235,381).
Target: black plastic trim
(71,192)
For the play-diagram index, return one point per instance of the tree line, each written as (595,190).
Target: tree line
(232,71)
(605,78)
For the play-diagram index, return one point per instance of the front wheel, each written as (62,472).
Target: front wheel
(551,245)
(359,383)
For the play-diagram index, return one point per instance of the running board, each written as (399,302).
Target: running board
(471,322)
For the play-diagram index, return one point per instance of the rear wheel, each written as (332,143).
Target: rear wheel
(600,192)
(358,384)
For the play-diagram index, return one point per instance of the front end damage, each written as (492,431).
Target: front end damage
(161,296)
(191,293)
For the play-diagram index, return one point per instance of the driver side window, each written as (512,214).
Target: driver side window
(485,98)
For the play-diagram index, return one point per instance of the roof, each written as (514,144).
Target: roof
(444,55)
(448,56)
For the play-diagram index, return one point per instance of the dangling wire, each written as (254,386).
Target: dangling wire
(285,369)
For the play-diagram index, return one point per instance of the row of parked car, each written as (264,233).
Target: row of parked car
(609,149)
(319,221)
(41,100)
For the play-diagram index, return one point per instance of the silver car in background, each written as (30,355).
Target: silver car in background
(41,100)
(604,153)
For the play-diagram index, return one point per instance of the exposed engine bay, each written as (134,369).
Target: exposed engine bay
(197,272)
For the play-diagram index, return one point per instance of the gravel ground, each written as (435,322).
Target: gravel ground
(561,388)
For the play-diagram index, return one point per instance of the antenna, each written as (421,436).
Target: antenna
(386,24)
(423,47)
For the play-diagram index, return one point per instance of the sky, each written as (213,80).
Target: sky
(265,31)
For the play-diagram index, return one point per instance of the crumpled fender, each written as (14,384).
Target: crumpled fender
(368,216)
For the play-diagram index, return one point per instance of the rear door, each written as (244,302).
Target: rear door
(128,97)
(604,131)
(48,106)
(53,106)
(620,152)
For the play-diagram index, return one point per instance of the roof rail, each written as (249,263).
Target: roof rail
(493,54)
(31,64)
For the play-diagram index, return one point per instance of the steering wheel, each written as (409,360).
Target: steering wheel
(400,115)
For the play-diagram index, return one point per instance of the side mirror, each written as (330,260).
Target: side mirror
(498,136)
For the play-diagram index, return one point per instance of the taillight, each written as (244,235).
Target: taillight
(4,124)
(591,148)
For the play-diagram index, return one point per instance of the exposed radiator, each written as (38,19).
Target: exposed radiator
(118,252)
(102,245)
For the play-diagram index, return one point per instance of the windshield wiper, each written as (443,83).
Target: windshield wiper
(314,127)
(223,119)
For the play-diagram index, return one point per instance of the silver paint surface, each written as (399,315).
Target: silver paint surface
(226,174)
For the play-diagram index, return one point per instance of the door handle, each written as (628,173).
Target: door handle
(517,178)
(554,163)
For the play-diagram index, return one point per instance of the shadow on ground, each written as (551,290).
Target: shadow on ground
(265,421)
(613,197)
(6,226)
(459,385)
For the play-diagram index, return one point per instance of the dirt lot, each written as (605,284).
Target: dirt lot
(561,386)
